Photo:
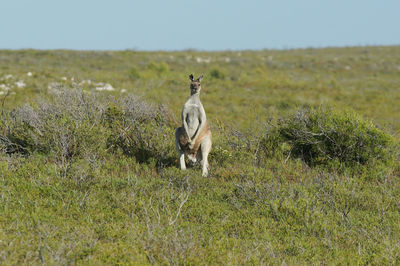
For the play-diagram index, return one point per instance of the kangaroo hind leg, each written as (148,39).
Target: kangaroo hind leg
(205,150)
(181,153)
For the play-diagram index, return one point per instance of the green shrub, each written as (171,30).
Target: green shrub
(159,68)
(334,139)
(6,145)
(72,125)
(134,73)
(65,125)
(217,73)
(141,131)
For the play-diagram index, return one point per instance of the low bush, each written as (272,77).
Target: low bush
(64,124)
(334,139)
(217,73)
(160,68)
(140,130)
(134,73)
(73,124)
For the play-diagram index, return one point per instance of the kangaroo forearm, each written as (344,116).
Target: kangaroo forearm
(185,126)
(200,128)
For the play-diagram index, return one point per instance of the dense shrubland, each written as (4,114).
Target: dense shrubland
(92,177)
(72,123)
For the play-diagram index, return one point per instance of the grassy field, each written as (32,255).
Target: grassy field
(304,166)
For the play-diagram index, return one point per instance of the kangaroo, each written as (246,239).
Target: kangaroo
(194,135)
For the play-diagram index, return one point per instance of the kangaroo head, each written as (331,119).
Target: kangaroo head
(195,86)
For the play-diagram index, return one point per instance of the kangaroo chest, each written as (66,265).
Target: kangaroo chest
(193,114)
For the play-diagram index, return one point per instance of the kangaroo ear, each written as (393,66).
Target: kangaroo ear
(200,78)
(191,77)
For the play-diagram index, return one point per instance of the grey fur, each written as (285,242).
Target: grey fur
(195,133)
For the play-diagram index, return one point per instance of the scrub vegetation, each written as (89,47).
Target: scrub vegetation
(304,165)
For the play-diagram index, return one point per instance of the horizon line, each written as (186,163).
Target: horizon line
(204,50)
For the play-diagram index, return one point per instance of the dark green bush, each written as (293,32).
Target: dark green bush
(334,139)
(217,73)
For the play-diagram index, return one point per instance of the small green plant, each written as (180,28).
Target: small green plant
(160,68)
(217,73)
(134,73)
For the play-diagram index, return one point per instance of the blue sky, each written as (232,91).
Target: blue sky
(201,25)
